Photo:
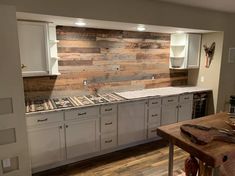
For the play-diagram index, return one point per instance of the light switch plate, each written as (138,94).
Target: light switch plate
(6,163)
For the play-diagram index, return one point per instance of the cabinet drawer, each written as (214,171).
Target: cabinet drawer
(170,100)
(108,141)
(44,118)
(108,123)
(152,132)
(155,115)
(82,113)
(186,97)
(155,102)
(108,109)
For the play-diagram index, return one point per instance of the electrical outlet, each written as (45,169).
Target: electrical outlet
(202,78)
(84,82)
(6,163)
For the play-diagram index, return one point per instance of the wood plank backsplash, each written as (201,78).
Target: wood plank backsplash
(109,60)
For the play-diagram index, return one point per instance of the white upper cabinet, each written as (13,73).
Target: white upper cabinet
(185,51)
(38,48)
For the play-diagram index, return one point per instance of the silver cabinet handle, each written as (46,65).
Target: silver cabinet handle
(170,100)
(109,141)
(155,102)
(109,109)
(82,113)
(154,115)
(186,98)
(155,130)
(42,120)
(109,123)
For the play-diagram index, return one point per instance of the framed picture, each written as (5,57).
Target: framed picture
(231,57)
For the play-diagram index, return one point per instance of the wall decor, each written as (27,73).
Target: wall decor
(209,54)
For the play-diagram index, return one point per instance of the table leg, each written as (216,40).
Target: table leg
(171,158)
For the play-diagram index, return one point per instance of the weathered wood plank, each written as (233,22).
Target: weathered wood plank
(110,60)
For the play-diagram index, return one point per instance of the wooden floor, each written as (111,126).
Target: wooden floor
(144,160)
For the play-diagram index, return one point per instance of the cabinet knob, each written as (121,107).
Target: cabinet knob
(66,126)
(23,66)
(60,127)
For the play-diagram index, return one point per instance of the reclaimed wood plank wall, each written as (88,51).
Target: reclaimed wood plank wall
(110,60)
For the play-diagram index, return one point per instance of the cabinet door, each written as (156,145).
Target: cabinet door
(33,37)
(169,114)
(82,137)
(185,111)
(132,122)
(46,144)
(194,46)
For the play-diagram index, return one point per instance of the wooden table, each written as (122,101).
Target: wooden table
(213,154)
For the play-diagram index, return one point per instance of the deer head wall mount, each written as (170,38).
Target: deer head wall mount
(209,54)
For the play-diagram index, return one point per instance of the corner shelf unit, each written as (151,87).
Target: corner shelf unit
(185,51)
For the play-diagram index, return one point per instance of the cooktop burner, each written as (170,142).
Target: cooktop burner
(38,105)
(97,99)
(62,103)
(83,100)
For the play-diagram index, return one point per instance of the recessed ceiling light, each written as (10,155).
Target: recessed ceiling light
(180,32)
(141,28)
(80,23)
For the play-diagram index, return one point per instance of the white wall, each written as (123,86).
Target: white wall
(209,77)
(12,113)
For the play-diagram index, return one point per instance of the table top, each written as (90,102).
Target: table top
(214,153)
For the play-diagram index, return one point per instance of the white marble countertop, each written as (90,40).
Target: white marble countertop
(165,91)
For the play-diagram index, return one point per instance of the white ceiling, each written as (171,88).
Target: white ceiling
(219,5)
(66,21)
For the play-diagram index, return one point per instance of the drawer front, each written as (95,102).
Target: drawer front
(186,97)
(109,109)
(155,102)
(82,113)
(152,132)
(108,123)
(38,119)
(154,115)
(170,100)
(108,141)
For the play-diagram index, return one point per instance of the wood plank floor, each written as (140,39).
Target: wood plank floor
(145,160)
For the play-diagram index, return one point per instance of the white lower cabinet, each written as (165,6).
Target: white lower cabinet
(169,110)
(55,137)
(82,137)
(46,144)
(185,109)
(132,122)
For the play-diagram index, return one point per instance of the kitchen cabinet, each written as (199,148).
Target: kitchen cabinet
(132,122)
(185,51)
(169,114)
(185,107)
(46,144)
(82,137)
(108,125)
(177,108)
(38,48)
(154,117)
